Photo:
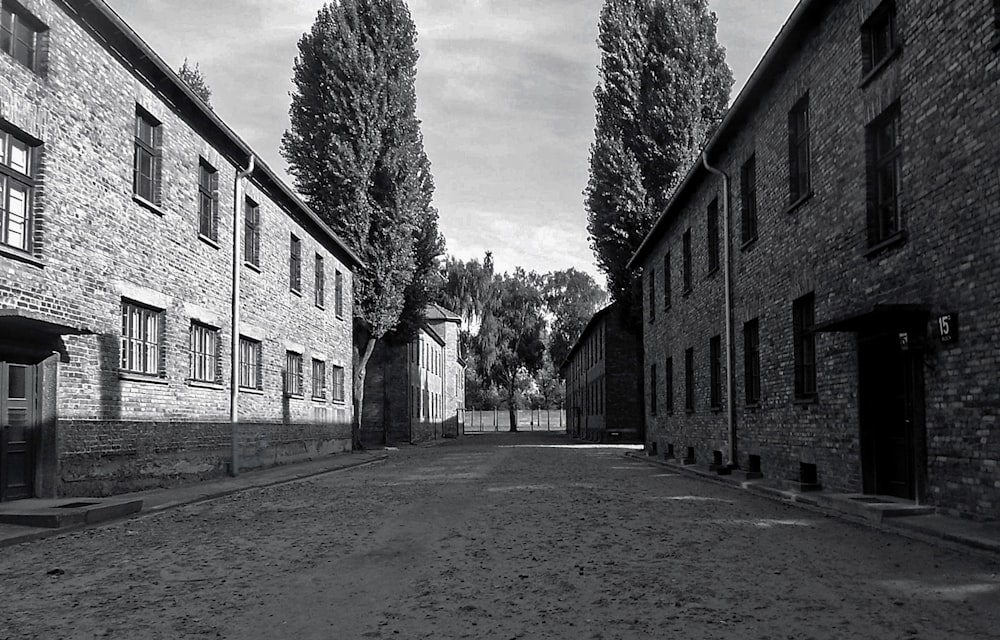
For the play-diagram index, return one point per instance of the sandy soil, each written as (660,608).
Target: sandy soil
(481,539)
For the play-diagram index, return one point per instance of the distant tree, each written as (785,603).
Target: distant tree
(464,287)
(195,80)
(663,88)
(356,153)
(511,336)
(572,297)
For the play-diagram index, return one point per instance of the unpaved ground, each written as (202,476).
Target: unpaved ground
(475,539)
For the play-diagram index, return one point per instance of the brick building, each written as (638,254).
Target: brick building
(603,381)
(125,201)
(825,308)
(415,391)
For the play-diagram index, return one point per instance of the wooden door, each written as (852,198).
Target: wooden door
(18,428)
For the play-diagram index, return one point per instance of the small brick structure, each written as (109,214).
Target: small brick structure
(604,382)
(868,298)
(118,310)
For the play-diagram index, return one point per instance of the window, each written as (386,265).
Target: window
(250,364)
(320,283)
(878,37)
(713,235)
(19,35)
(295,265)
(141,338)
(208,201)
(338,294)
(751,361)
(652,389)
(798,150)
(715,371)
(689,380)
(17,188)
(204,349)
(293,373)
(803,316)
(251,233)
(668,382)
(666,281)
(748,199)
(148,140)
(652,295)
(687,261)
(884,170)
(319,380)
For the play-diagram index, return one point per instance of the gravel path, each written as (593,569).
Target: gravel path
(495,536)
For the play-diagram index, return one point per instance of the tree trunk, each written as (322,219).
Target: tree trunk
(511,407)
(362,354)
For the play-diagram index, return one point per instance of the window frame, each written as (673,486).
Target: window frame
(799,152)
(748,200)
(689,404)
(803,319)
(668,383)
(712,235)
(318,379)
(667,284)
(250,364)
(251,232)
(751,361)
(13,180)
(293,374)
(881,27)
(715,372)
(319,281)
(151,149)
(338,294)
(652,389)
(208,201)
(686,246)
(295,265)
(141,345)
(879,164)
(339,385)
(14,21)
(651,276)
(204,353)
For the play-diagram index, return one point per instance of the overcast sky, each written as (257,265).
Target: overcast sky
(504,91)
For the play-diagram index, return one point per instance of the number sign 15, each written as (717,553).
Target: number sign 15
(948,327)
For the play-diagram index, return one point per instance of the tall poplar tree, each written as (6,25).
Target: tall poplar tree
(663,88)
(355,151)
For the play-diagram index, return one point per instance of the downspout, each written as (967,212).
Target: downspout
(234,382)
(727,265)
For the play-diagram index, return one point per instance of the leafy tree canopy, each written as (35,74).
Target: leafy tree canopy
(195,80)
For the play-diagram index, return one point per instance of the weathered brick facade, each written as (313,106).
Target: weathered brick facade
(96,245)
(415,392)
(603,381)
(896,408)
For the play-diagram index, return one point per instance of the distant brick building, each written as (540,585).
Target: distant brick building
(858,345)
(603,381)
(415,392)
(120,190)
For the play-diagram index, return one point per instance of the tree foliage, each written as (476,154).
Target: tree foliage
(663,88)
(572,298)
(195,80)
(357,156)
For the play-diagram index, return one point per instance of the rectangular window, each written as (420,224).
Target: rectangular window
(17,189)
(748,199)
(713,235)
(798,150)
(878,37)
(204,350)
(208,201)
(666,281)
(320,283)
(250,364)
(338,294)
(318,380)
(803,317)
(668,382)
(689,380)
(884,164)
(687,261)
(715,371)
(652,389)
(751,361)
(148,142)
(251,233)
(293,373)
(338,384)
(19,35)
(652,295)
(141,338)
(295,265)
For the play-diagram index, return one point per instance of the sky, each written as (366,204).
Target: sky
(504,94)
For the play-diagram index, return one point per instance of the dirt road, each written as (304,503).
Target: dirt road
(495,536)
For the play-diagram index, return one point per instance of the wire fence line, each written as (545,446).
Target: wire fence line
(495,420)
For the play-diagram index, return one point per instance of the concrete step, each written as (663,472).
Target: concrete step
(67,512)
(872,507)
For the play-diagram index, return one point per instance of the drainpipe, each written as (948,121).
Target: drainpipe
(727,260)
(234,382)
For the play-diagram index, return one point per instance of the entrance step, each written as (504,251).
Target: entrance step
(67,512)
(872,507)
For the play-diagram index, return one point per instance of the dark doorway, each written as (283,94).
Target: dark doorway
(891,408)
(18,429)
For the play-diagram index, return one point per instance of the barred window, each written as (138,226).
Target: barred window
(251,232)
(318,380)
(295,265)
(204,350)
(338,384)
(250,364)
(141,338)
(17,190)
(208,201)
(320,284)
(148,142)
(293,373)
